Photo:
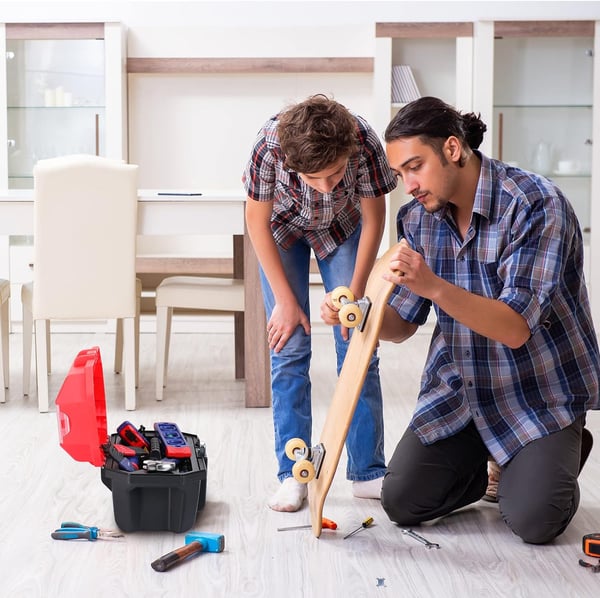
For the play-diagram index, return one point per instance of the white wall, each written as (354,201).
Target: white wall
(196,130)
(251,13)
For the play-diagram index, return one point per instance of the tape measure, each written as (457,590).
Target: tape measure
(591,544)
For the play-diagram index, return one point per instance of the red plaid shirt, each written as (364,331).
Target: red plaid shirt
(324,220)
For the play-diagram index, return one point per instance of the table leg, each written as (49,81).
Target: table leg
(256,352)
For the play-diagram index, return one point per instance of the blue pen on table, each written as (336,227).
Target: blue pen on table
(70,530)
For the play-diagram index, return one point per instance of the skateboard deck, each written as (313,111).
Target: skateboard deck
(349,385)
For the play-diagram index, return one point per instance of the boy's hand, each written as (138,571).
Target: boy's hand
(282,324)
(330,315)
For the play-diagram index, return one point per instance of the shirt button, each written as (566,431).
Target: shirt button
(470,384)
(467,353)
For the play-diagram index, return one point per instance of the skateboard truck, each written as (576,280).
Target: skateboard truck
(352,312)
(365,306)
(309,459)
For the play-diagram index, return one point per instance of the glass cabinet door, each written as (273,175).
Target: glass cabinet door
(55,102)
(543,107)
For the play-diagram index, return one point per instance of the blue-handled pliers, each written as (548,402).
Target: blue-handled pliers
(76,531)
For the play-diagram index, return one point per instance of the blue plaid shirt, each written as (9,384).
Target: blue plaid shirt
(524,247)
(324,220)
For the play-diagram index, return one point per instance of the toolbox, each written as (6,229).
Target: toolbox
(143,499)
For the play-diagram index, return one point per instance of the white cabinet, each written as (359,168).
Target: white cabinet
(536,85)
(440,56)
(543,97)
(543,106)
(62,91)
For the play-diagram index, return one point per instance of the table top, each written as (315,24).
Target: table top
(218,212)
(154,195)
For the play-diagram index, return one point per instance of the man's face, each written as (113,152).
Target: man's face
(325,180)
(429,178)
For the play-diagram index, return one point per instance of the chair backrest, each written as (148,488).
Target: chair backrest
(85,226)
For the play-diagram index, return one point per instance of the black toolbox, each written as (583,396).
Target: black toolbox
(142,500)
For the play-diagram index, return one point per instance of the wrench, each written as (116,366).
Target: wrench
(428,544)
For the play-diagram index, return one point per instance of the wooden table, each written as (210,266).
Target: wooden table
(212,213)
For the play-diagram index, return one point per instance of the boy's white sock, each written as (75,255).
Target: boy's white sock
(368,489)
(289,497)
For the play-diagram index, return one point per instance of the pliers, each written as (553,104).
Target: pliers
(76,531)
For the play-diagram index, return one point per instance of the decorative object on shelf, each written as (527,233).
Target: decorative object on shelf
(567,167)
(542,158)
(404,86)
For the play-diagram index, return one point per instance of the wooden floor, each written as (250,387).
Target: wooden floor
(41,486)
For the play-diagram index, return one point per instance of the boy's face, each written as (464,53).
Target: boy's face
(325,180)
(431,180)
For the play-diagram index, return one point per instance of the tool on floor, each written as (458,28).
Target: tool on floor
(326,524)
(364,525)
(421,539)
(594,568)
(70,530)
(591,544)
(195,543)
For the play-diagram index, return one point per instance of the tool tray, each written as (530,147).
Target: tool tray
(142,500)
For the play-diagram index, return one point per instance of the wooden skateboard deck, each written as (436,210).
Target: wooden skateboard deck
(349,385)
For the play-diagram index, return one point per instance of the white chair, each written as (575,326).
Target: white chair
(5,369)
(85,227)
(195,292)
(27,304)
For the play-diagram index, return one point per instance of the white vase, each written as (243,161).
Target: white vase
(542,158)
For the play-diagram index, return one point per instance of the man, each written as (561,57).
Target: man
(513,364)
(316,181)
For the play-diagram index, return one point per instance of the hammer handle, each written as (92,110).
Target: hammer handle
(176,556)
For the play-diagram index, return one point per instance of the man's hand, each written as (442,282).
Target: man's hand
(408,268)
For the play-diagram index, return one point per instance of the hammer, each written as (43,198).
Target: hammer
(195,542)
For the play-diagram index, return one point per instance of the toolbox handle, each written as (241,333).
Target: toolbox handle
(64,424)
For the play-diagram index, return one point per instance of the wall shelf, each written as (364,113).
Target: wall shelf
(424,30)
(544,29)
(250,65)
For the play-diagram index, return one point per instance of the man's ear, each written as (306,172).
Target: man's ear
(453,149)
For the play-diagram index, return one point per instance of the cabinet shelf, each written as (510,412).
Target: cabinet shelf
(250,65)
(543,106)
(76,107)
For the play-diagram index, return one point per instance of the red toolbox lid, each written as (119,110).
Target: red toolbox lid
(81,409)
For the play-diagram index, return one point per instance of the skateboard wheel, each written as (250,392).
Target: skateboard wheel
(293,445)
(350,315)
(303,471)
(341,295)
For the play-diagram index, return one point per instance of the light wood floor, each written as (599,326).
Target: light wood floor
(42,486)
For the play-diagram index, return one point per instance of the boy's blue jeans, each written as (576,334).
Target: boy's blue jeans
(290,380)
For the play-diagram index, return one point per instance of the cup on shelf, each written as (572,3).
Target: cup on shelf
(567,167)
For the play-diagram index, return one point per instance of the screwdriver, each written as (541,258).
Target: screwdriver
(364,525)
(325,523)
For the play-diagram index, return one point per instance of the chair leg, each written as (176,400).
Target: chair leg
(239,342)
(41,358)
(48,348)
(163,329)
(4,355)
(168,343)
(138,313)
(27,342)
(130,362)
(118,368)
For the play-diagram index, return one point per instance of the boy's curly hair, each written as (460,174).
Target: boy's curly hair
(316,133)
